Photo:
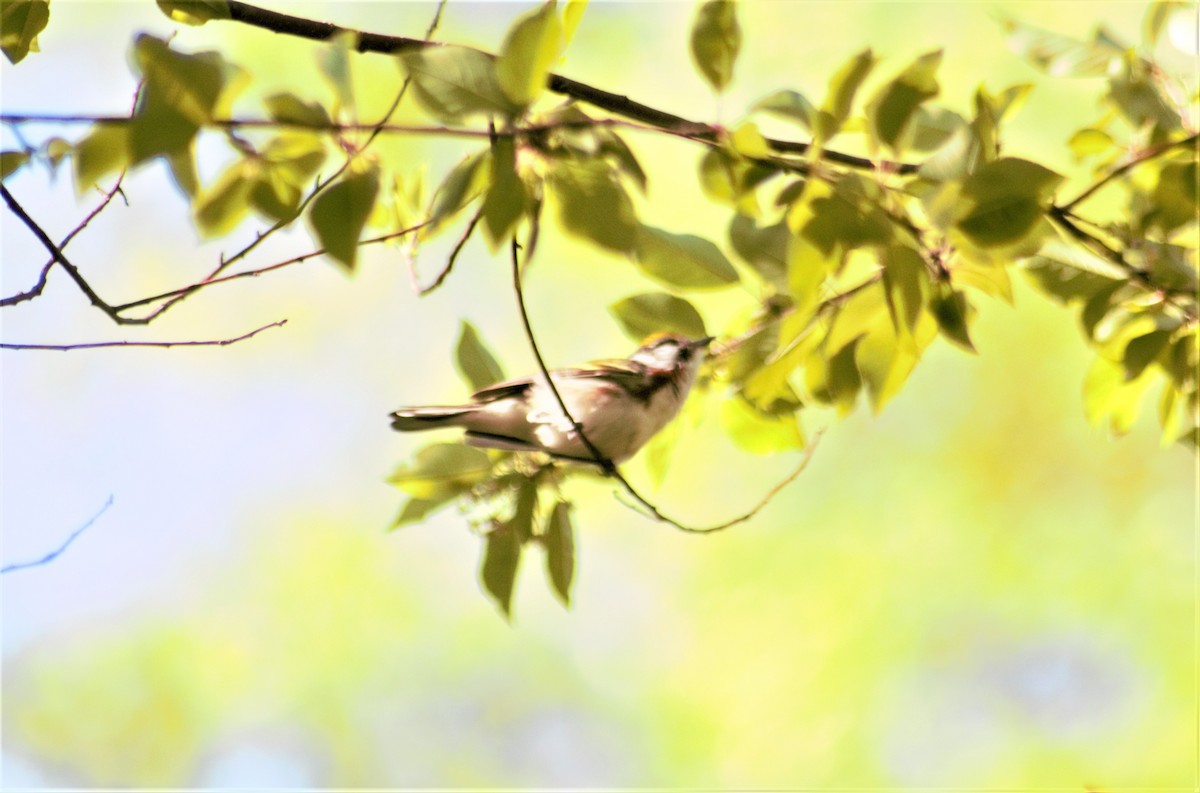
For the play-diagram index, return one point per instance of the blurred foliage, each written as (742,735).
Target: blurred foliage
(858,263)
(832,278)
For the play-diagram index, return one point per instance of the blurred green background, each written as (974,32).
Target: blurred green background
(971,590)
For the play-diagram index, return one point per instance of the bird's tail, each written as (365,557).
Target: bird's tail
(428,418)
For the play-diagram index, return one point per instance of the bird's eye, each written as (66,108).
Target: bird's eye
(685,354)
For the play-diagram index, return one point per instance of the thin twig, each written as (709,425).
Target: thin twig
(604,462)
(606,100)
(462,242)
(261,270)
(37,288)
(1148,154)
(95,344)
(62,260)
(50,557)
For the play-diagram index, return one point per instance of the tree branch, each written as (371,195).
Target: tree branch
(1148,154)
(607,465)
(37,288)
(97,344)
(50,557)
(606,100)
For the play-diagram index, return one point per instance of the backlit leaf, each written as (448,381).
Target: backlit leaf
(11,161)
(657,312)
(1008,196)
(559,540)
(333,61)
(840,98)
(716,40)
(464,183)
(1060,55)
(20,23)
(416,509)
(453,83)
(339,214)
(506,197)
(501,557)
(764,249)
(222,205)
(442,470)
(289,108)
(194,12)
(789,105)
(892,109)
(105,149)
(950,309)
(682,260)
(179,95)
(474,360)
(757,432)
(593,204)
(530,50)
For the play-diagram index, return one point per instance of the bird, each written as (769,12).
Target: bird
(620,404)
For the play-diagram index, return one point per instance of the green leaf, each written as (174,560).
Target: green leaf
(475,362)
(950,309)
(905,285)
(179,95)
(622,157)
(334,63)
(464,183)
(885,359)
(956,157)
(291,109)
(1071,273)
(501,557)
(220,207)
(442,471)
(559,540)
(840,98)
(1089,142)
(530,50)
(20,23)
(502,548)
(1108,395)
(506,200)
(746,140)
(593,204)
(892,109)
(716,40)
(105,149)
(788,105)
(845,220)
(1141,352)
(453,83)
(1175,196)
(836,381)
(11,161)
(1138,94)
(731,180)
(194,12)
(339,214)
(684,261)
(763,248)
(933,126)
(643,315)
(757,432)
(1008,196)
(572,12)
(416,509)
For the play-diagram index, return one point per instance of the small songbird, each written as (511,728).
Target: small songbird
(621,404)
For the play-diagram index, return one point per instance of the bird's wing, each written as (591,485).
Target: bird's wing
(509,388)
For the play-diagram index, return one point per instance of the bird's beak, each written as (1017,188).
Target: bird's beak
(707,340)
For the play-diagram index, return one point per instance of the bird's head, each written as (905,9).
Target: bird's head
(671,352)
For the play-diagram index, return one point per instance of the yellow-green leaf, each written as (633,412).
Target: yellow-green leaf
(559,541)
(442,470)
(530,50)
(194,12)
(11,161)
(105,149)
(474,360)
(20,23)
(223,204)
(593,204)
(453,83)
(684,261)
(892,109)
(657,312)
(339,214)
(716,40)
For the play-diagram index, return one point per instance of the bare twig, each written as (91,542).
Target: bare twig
(1148,154)
(96,344)
(50,557)
(607,465)
(458,246)
(37,288)
(62,260)
(261,270)
(606,100)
